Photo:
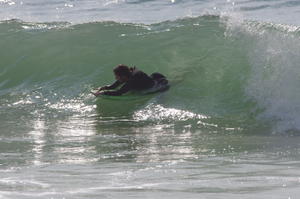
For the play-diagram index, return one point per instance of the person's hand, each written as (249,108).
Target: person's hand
(102,88)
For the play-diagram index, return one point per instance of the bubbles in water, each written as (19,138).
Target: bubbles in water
(157,112)
(274,80)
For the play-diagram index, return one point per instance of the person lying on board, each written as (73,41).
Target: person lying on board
(131,79)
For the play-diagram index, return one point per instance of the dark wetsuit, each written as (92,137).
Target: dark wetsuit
(138,81)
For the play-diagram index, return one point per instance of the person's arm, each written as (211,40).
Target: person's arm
(109,87)
(121,91)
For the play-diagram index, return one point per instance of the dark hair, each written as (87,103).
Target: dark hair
(123,70)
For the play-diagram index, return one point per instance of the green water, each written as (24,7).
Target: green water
(226,128)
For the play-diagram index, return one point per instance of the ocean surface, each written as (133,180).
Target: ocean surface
(228,127)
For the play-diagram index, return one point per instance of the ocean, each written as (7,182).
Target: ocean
(228,127)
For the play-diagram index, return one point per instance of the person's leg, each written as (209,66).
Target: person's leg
(157,76)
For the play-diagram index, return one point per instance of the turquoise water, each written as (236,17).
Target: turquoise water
(227,127)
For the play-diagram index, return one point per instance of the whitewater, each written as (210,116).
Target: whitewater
(228,127)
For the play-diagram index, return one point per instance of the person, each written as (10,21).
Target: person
(131,79)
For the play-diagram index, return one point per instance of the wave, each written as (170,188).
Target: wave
(224,73)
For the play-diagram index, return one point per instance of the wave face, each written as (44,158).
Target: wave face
(225,74)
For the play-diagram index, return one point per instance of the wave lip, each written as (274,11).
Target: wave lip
(144,11)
